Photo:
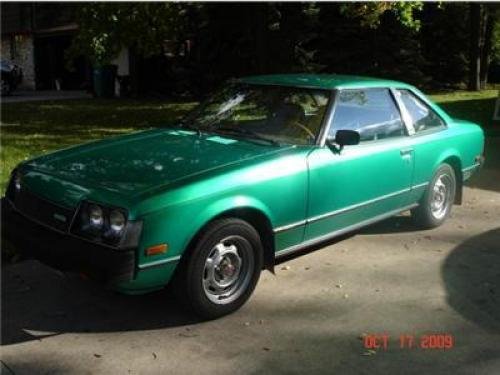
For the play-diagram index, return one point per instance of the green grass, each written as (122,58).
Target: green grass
(474,106)
(35,128)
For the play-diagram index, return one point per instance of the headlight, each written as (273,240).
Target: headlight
(116,221)
(96,216)
(107,225)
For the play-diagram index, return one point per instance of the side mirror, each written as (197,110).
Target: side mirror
(343,138)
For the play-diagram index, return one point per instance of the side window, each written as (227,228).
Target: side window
(371,112)
(422,117)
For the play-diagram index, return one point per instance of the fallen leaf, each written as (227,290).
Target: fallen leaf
(97,355)
(188,334)
(266,349)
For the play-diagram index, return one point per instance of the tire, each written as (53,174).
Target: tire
(220,272)
(435,206)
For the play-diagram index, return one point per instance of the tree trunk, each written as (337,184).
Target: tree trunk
(486,50)
(290,29)
(260,23)
(475,47)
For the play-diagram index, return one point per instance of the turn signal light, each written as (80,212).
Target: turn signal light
(157,249)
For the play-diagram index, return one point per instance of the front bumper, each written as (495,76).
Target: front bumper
(63,251)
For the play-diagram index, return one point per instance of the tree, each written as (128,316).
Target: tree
(414,41)
(487,51)
(379,39)
(483,18)
(444,43)
(104,28)
(371,13)
(475,46)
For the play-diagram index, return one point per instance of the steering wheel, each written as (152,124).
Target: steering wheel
(305,129)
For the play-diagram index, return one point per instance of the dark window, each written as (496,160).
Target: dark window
(371,112)
(422,117)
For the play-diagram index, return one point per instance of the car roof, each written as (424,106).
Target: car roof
(322,81)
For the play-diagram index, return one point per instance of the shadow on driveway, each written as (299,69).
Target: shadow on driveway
(471,275)
(38,302)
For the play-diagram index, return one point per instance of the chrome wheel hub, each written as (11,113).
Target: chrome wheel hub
(440,196)
(227,270)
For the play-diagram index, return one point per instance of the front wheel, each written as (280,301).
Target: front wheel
(222,269)
(438,199)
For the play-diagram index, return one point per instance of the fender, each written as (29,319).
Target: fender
(224,205)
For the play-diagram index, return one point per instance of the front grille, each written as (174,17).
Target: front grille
(41,210)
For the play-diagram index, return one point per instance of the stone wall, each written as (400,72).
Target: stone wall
(19,49)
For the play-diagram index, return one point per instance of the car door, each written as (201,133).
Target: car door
(364,182)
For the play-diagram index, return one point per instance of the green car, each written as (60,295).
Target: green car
(266,166)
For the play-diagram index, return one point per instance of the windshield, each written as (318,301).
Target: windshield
(275,113)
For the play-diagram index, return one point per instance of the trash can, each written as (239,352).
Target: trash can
(104,81)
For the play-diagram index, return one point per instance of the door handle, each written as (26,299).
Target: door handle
(406,151)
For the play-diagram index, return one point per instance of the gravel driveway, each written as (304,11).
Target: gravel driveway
(310,317)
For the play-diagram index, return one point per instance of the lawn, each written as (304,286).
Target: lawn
(473,106)
(35,128)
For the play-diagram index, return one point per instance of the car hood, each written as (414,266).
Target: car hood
(135,164)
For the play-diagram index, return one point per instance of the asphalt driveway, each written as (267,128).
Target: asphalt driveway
(311,317)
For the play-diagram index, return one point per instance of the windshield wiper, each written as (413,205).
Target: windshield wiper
(247,132)
(184,125)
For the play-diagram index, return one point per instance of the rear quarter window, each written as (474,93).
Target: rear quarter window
(421,115)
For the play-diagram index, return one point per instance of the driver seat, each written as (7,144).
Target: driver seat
(287,114)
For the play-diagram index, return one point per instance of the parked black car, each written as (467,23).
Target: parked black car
(12,76)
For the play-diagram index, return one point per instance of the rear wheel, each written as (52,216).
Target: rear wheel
(438,199)
(222,269)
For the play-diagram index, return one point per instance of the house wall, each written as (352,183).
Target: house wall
(19,49)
